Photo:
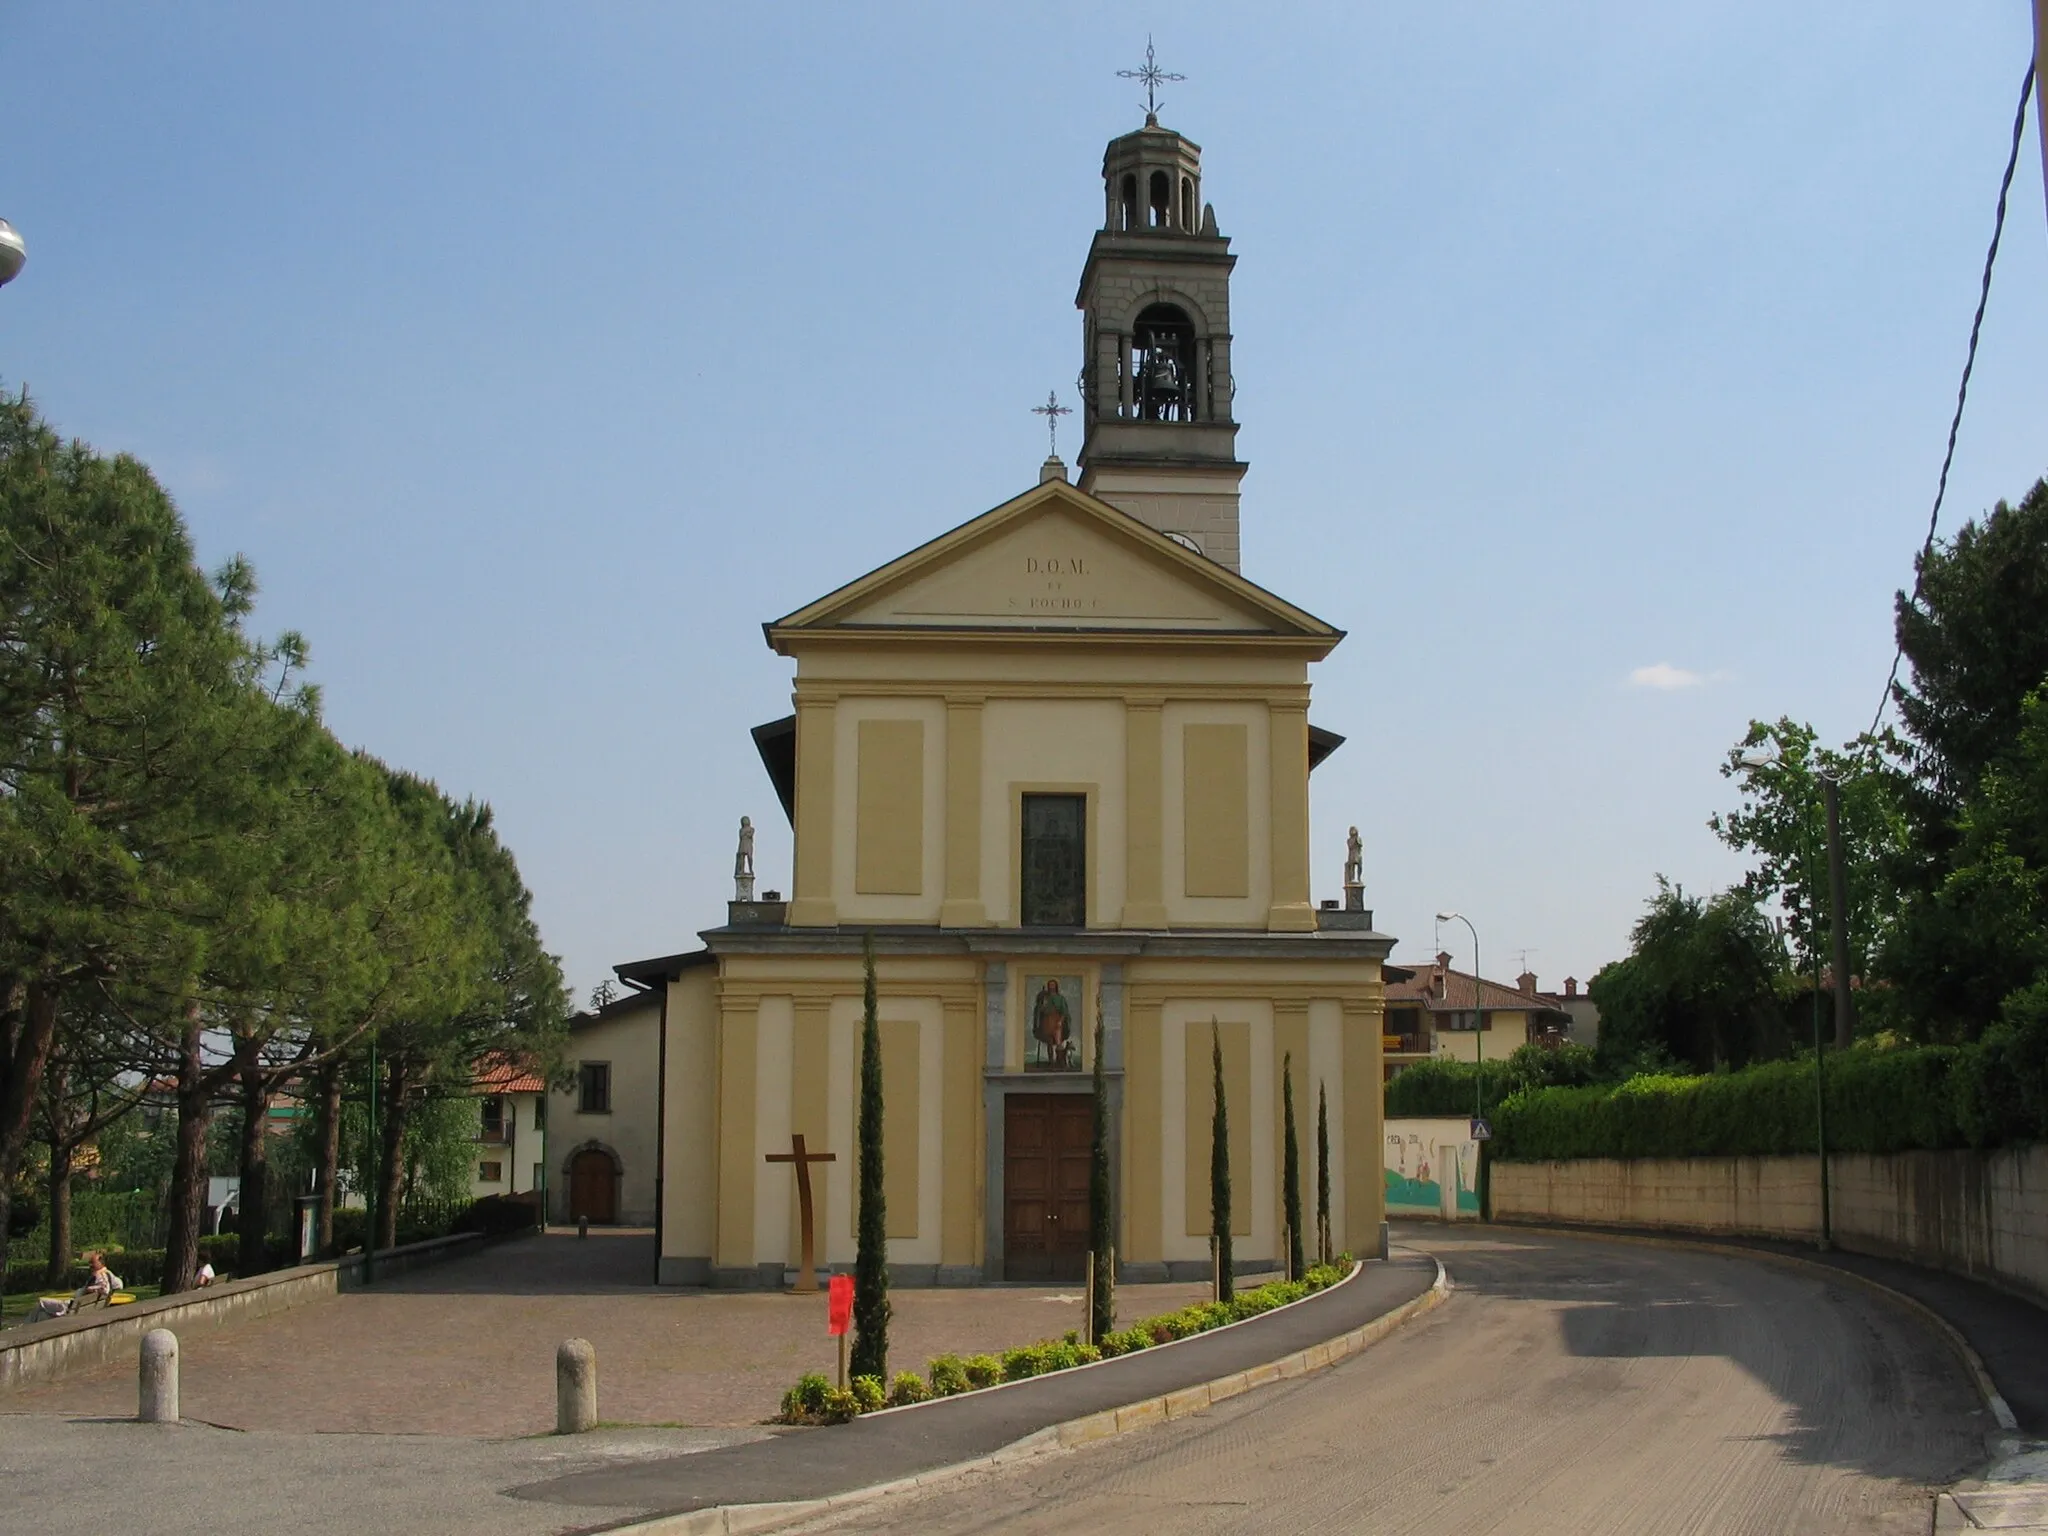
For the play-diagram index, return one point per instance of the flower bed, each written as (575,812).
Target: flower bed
(814,1400)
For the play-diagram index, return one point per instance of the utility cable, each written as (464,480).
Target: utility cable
(2012,160)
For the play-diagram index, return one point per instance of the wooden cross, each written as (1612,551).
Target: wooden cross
(806,1275)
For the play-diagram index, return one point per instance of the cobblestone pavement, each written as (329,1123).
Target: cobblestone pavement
(1569,1385)
(467,1347)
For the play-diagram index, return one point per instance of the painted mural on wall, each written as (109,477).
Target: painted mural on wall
(1432,1168)
(1052,1041)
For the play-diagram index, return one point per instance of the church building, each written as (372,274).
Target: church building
(1056,762)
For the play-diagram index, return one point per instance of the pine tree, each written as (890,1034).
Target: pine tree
(1323,1172)
(871,1254)
(1102,1300)
(1219,1173)
(1290,1179)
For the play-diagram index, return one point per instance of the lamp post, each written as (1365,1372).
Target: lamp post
(1838,902)
(376,1175)
(13,253)
(1478,1044)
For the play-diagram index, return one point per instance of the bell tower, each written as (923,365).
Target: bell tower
(1160,441)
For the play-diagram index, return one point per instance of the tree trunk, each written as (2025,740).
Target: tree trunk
(60,1213)
(28,1028)
(396,1109)
(252,1257)
(327,1149)
(188,1169)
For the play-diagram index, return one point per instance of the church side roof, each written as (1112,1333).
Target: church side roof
(1163,587)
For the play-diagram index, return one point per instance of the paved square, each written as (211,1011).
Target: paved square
(468,1347)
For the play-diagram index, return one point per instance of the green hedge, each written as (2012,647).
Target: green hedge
(1920,1097)
(814,1400)
(135,1266)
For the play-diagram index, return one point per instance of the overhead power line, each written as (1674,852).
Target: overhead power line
(2012,160)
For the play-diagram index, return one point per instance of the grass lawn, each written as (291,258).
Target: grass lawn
(16,1305)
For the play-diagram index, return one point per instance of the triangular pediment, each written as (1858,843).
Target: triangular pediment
(1056,558)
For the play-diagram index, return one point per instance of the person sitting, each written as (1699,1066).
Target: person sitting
(100,1284)
(205,1276)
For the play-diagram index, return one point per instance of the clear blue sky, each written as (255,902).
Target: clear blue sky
(536,355)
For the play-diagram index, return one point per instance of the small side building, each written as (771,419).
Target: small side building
(604,1129)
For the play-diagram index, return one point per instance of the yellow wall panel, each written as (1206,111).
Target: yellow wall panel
(888,855)
(1235,1036)
(902,1096)
(1216,810)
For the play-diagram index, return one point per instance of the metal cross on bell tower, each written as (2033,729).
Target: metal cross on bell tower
(1153,76)
(1052,411)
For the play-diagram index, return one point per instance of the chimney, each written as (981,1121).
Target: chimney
(1571,986)
(1527,982)
(1436,981)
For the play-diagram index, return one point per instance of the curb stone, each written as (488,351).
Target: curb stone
(745,1519)
(1994,1400)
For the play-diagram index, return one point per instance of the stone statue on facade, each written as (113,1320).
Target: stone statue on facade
(1354,873)
(743,863)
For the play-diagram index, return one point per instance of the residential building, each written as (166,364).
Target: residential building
(512,1120)
(1436,1010)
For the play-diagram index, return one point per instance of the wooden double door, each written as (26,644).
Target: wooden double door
(593,1187)
(1046,1138)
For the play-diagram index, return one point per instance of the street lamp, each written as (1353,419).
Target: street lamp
(1478,1012)
(1837,902)
(13,253)
(1478,1045)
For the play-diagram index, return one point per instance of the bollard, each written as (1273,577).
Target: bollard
(159,1394)
(575,1387)
(583,1226)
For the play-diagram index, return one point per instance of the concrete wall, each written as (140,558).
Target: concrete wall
(1979,1213)
(48,1351)
(1432,1168)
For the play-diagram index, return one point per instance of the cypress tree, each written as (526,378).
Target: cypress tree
(1290,1179)
(1323,1173)
(1102,1300)
(871,1254)
(1219,1173)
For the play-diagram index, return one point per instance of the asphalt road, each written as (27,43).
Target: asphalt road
(1569,1385)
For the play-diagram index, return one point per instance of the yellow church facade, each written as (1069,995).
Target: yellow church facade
(1055,766)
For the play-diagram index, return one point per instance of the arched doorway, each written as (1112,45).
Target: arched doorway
(593,1186)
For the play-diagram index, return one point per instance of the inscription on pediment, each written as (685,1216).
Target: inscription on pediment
(1057,570)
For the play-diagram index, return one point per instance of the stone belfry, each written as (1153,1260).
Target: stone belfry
(1155,381)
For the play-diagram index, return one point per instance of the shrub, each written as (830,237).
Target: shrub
(805,1402)
(841,1406)
(1126,1341)
(867,1393)
(1025,1360)
(948,1376)
(982,1371)
(908,1388)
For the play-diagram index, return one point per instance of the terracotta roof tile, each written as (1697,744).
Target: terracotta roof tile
(502,1073)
